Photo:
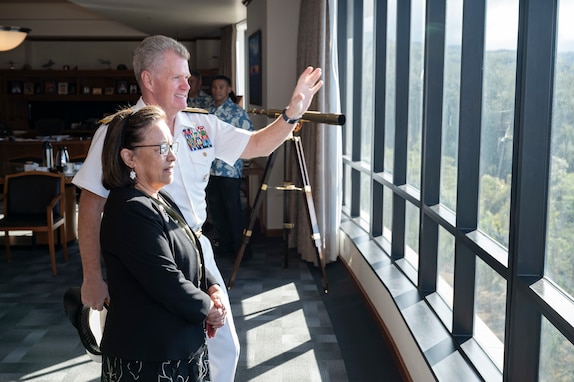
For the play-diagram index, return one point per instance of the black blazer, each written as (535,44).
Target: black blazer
(157,309)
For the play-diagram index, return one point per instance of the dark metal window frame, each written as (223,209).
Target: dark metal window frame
(529,296)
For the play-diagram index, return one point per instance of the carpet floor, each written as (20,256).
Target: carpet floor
(288,328)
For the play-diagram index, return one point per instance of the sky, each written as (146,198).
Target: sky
(502,23)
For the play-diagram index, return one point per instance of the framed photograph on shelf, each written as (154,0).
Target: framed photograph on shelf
(87,89)
(62,88)
(97,91)
(28,87)
(133,89)
(50,87)
(255,69)
(15,87)
(122,87)
(109,91)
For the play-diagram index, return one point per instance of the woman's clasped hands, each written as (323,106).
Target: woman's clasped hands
(217,313)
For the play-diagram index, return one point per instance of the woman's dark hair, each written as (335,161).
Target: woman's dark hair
(126,129)
(228,81)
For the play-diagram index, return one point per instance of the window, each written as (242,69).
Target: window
(445,266)
(559,245)
(391,58)
(490,300)
(451,99)
(556,355)
(350,64)
(501,36)
(442,215)
(241,69)
(365,199)
(416,73)
(368,88)
(412,235)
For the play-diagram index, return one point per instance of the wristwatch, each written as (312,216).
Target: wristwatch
(287,119)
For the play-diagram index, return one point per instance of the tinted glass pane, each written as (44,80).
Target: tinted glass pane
(490,307)
(451,99)
(368,72)
(412,234)
(349,83)
(416,73)
(365,204)
(390,85)
(559,244)
(387,213)
(499,78)
(556,355)
(347,189)
(445,265)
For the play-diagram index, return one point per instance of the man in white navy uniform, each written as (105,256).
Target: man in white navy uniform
(161,69)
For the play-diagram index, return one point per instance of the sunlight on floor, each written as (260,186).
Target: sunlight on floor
(87,371)
(267,317)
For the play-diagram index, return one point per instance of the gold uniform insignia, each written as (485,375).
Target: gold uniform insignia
(195,110)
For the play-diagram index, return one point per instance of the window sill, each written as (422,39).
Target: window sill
(423,319)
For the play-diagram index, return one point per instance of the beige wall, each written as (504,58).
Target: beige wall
(278,22)
(86,55)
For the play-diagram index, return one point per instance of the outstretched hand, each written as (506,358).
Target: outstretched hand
(308,84)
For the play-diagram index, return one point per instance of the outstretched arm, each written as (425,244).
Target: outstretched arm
(265,141)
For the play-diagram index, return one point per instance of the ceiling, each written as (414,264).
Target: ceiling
(185,20)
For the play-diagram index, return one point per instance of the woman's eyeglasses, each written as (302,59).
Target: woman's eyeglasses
(163,147)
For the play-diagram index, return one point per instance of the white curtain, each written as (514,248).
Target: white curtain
(322,144)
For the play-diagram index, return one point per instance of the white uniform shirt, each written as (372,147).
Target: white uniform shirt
(201,137)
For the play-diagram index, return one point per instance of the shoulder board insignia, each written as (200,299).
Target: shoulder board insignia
(107,119)
(195,110)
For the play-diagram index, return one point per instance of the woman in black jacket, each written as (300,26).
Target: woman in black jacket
(162,300)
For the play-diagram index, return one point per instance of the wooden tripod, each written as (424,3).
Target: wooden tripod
(287,225)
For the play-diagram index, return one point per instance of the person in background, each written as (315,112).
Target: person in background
(162,297)
(161,68)
(197,97)
(223,190)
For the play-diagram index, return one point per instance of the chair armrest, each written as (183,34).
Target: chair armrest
(53,203)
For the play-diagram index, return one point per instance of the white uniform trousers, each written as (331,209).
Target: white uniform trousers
(224,347)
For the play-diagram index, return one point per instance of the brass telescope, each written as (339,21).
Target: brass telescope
(309,116)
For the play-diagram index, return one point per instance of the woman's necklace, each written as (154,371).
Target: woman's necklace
(166,208)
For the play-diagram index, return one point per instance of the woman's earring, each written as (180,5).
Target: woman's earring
(132,174)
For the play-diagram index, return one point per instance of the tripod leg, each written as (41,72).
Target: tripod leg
(288,225)
(310,208)
(247,232)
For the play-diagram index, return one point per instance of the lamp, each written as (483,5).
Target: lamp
(11,37)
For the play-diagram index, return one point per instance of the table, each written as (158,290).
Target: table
(21,150)
(15,152)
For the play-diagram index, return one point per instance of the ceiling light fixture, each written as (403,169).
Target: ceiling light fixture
(11,37)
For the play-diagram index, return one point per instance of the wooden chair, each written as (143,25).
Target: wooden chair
(34,201)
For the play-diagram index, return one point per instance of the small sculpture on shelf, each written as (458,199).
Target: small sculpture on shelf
(105,62)
(48,64)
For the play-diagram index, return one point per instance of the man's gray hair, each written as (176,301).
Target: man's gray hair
(149,54)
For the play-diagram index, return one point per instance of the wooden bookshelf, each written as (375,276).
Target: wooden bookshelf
(72,95)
